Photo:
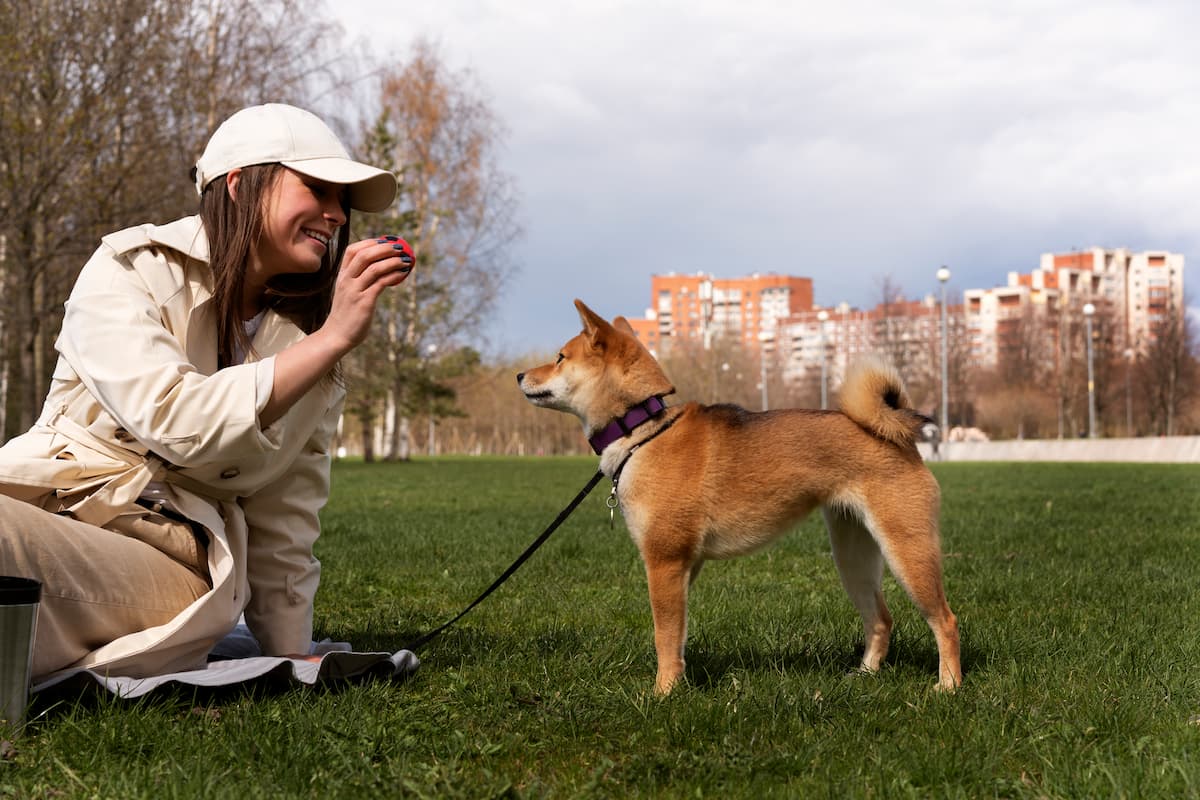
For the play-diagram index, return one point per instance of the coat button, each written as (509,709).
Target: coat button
(231,472)
(122,435)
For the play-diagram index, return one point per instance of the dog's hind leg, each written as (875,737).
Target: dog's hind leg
(860,564)
(910,545)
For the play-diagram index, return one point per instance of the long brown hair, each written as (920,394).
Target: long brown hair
(233,229)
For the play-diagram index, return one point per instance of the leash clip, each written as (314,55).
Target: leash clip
(612,502)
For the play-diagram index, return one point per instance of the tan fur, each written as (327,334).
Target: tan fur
(721,481)
(873,395)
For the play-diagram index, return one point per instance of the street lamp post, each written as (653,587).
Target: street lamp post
(943,275)
(1088,311)
(822,317)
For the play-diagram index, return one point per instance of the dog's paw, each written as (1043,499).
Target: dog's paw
(862,671)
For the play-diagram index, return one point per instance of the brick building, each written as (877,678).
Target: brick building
(700,307)
(775,314)
(1137,290)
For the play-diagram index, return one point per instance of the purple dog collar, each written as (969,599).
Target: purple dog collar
(642,412)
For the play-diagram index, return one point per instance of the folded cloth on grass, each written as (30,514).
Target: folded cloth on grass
(237,659)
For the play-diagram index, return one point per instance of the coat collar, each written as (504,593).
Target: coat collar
(186,236)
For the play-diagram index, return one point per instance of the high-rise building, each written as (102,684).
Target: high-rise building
(775,313)
(996,318)
(827,340)
(1137,290)
(700,307)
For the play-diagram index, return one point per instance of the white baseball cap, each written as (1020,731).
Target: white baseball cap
(298,140)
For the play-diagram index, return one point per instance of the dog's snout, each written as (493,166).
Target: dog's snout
(520,377)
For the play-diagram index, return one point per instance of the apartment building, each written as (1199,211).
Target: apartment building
(996,318)
(1154,286)
(1136,289)
(700,307)
(906,332)
(646,329)
(775,314)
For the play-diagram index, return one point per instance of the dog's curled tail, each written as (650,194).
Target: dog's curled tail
(873,395)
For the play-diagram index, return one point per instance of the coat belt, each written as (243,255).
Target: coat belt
(115,492)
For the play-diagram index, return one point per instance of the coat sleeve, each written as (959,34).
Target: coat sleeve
(282,519)
(116,339)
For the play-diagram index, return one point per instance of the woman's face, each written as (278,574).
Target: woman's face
(301,217)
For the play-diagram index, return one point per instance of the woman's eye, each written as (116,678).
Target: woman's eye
(323,191)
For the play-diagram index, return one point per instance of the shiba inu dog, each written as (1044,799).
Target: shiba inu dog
(699,482)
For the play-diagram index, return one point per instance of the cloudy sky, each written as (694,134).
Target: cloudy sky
(847,142)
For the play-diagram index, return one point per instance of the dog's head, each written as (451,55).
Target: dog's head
(598,375)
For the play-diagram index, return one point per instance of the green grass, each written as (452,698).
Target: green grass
(1076,588)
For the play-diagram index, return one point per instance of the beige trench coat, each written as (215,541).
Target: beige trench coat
(136,396)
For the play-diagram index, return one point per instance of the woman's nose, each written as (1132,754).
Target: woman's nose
(333,211)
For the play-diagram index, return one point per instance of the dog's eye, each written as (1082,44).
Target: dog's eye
(560,358)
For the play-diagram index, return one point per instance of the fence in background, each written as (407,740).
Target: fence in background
(1163,449)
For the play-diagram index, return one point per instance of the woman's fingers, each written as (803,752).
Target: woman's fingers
(368,267)
(362,255)
(390,270)
(403,248)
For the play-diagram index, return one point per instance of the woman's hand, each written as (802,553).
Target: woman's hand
(368,267)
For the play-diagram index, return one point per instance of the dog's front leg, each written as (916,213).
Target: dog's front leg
(668,581)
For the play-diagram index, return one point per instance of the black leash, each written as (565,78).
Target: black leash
(566,512)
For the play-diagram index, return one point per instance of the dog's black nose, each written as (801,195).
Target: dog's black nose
(520,376)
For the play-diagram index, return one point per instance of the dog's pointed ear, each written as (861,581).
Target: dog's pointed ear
(622,324)
(594,326)
(586,315)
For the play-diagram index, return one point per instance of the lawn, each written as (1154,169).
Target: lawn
(1075,586)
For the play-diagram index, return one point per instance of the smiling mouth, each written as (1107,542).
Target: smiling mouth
(317,236)
(539,395)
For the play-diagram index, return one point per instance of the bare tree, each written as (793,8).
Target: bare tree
(1168,372)
(457,208)
(1106,365)
(961,373)
(1070,379)
(892,328)
(724,372)
(54,77)
(498,419)
(103,110)
(1024,351)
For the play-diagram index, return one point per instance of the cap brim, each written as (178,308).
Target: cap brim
(371,189)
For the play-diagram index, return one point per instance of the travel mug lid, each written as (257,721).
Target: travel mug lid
(16,591)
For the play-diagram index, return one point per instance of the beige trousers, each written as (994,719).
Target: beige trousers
(99,584)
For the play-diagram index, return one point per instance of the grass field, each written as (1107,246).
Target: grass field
(1077,588)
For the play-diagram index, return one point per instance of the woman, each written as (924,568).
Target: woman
(172,481)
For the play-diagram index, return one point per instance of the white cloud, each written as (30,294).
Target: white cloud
(840,141)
